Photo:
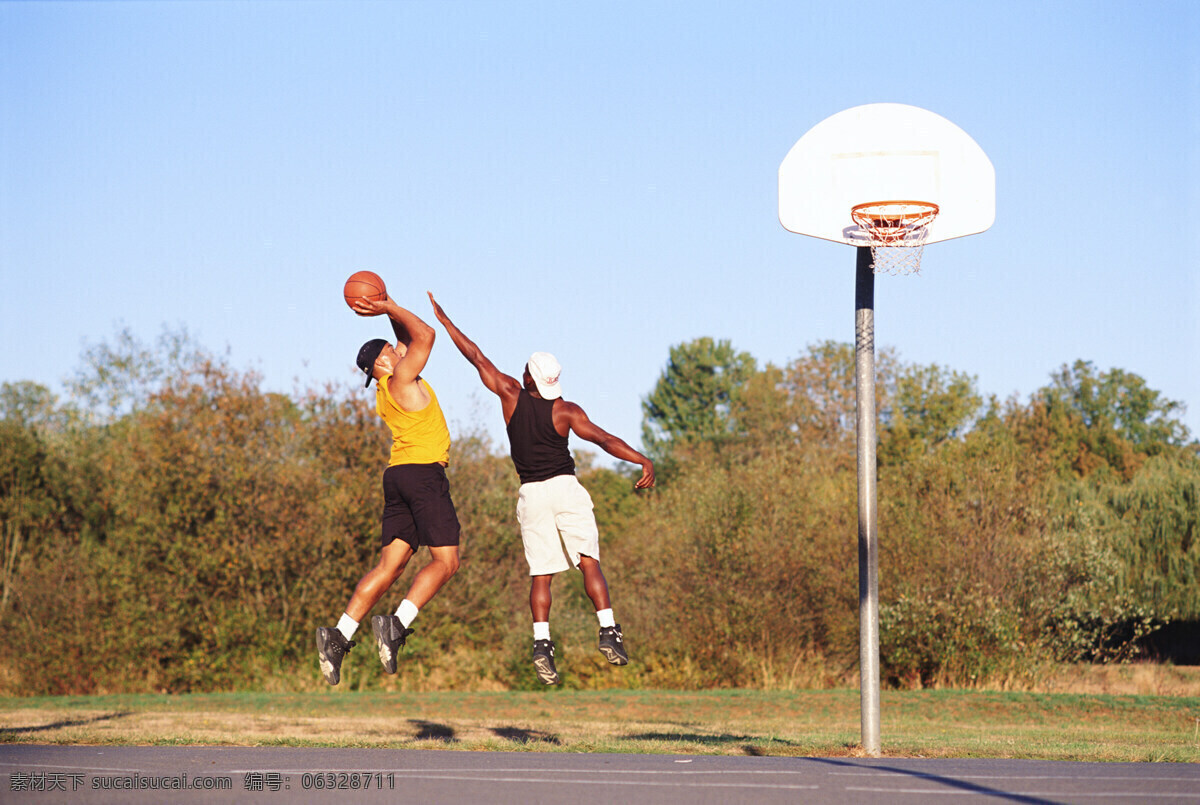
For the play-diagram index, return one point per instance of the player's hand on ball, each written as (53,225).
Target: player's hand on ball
(370,307)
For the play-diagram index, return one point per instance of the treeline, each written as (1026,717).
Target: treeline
(172,526)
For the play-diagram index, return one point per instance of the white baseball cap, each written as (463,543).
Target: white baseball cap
(544,369)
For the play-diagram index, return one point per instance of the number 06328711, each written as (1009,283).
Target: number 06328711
(348,781)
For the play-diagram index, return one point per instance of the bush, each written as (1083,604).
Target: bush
(970,637)
(190,530)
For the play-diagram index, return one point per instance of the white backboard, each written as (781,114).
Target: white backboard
(885,152)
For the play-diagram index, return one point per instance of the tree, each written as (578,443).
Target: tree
(930,405)
(1156,520)
(25,501)
(812,400)
(27,403)
(691,402)
(121,376)
(1089,420)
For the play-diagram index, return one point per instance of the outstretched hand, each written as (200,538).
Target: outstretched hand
(437,309)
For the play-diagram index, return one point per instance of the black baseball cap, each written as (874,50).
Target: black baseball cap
(367,355)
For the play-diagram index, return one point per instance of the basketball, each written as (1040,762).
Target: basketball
(364,285)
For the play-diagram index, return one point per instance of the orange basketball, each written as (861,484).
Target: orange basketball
(364,285)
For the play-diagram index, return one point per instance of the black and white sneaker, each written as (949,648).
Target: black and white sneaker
(331,648)
(612,646)
(543,661)
(389,637)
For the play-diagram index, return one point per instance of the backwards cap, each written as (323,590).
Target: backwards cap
(544,369)
(367,354)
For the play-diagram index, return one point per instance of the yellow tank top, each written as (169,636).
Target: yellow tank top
(418,437)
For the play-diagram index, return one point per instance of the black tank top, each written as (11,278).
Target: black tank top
(538,452)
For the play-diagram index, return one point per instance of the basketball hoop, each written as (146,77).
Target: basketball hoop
(896,232)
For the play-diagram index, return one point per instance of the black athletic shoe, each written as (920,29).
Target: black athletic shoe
(611,645)
(389,637)
(331,648)
(543,661)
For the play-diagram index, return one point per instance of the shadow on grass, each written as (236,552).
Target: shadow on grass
(432,731)
(78,722)
(949,782)
(520,736)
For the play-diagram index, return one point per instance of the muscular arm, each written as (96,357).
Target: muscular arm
(421,337)
(505,386)
(573,417)
(409,328)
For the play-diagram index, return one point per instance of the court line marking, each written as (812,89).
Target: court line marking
(931,775)
(960,793)
(533,770)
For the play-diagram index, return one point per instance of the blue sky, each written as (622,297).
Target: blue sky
(594,180)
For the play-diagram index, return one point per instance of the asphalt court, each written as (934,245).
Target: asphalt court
(118,774)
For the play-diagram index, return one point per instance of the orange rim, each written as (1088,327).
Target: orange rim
(877,217)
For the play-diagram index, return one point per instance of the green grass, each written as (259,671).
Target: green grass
(928,723)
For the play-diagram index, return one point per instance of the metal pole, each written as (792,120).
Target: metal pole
(868,538)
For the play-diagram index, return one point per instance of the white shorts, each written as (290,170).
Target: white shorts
(557,524)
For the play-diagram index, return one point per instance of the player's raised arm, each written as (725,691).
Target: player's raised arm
(616,447)
(496,381)
(409,329)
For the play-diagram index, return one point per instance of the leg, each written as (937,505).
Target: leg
(379,579)
(612,642)
(332,645)
(576,522)
(543,552)
(594,583)
(427,515)
(543,649)
(435,524)
(539,598)
(391,633)
(435,574)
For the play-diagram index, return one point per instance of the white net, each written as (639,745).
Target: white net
(896,232)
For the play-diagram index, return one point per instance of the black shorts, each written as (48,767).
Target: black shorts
(417,507)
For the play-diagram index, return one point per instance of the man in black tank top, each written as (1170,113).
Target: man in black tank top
(558,527)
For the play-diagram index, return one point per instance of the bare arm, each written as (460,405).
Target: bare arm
(496,381)
(572,416)
(409,328)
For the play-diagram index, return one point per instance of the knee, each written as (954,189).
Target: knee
(590,568)
(392,561)
(388,572)
(449,564)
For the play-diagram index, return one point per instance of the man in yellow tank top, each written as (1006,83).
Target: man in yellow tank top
(417,509)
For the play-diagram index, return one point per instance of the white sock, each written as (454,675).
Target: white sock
(541,631)
(347,626)
(606,618)
(406,612)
